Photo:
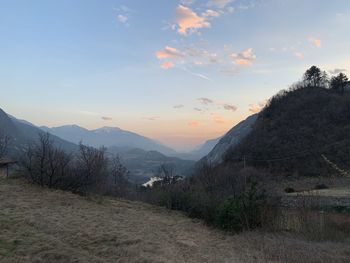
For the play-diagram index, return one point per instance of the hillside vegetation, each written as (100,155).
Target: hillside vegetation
(42,225)
(297,132)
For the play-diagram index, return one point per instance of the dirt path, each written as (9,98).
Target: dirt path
(40,225)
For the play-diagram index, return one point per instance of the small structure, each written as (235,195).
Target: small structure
(5,164)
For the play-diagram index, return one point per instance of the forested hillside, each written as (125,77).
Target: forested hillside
(304,131)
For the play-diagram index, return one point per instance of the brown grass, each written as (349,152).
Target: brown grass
(39,225)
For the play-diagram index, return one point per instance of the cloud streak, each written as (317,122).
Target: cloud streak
(178,106)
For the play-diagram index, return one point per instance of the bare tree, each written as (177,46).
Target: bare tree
(44,164)
(118,171)
(93,166)
(42,151)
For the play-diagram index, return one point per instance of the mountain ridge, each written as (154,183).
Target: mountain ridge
(108,137)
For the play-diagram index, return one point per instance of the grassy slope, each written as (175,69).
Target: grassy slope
(39,225)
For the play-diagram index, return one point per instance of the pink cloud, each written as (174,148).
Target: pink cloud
(168,52)
(245,58)
(315,41)
(167,65)
(189,21)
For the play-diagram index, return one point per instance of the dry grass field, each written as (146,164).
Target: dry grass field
(40,225)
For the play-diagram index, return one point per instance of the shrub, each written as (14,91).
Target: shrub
(243,212)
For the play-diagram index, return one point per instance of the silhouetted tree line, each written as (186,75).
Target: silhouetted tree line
(315,77)
(88,170)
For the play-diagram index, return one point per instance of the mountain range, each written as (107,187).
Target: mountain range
(140,155)
(108,137)
(21,133)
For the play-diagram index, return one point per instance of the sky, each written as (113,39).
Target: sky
(178,71)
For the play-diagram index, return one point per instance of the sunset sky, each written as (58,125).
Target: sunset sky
(177,71)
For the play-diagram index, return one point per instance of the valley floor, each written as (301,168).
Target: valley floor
(40,225)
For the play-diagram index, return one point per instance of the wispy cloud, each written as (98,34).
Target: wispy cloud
(199,75)
(205,101)
(211,13)
(315,41)
(187,2)
(244,58)
(122,19)
(124,14)
(179,106)
(219,3)
(105,118)
(230,107)
(168,52)
(167,65)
